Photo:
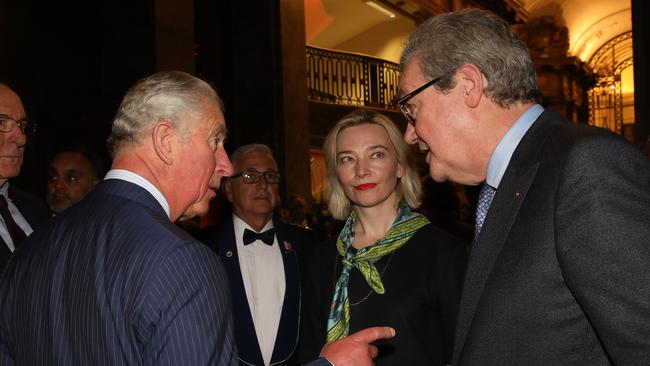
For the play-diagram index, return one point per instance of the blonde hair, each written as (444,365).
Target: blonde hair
(408,188)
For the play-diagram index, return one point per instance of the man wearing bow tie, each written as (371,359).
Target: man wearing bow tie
(261,257)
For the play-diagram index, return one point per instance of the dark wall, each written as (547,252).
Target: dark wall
(254,53)
(71,65)
(238,50)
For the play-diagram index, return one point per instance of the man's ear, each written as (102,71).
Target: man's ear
(163,134)
(472,84)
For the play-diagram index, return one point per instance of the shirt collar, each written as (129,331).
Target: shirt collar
(240,225)
(142,182)
(506,147)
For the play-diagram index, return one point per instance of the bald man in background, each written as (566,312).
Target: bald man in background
(20,212)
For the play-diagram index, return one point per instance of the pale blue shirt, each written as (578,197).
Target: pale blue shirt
(142,182)
(503,153)
(16,215)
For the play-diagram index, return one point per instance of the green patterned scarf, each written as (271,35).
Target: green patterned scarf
(405,225)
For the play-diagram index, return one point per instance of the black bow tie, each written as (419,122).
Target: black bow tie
(266,237)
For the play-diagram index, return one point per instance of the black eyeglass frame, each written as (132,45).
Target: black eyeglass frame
(254,176)
(28,127)
(402,103)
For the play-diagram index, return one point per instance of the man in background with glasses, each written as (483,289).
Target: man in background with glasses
(20,212)
(261,257)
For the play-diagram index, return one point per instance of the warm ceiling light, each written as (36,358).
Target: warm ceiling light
(380,9)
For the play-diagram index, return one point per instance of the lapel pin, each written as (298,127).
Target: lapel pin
(288,248)
(229,253)
(517,194)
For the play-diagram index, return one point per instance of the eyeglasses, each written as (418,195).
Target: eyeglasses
(253,176)
(403,101)
(7,124)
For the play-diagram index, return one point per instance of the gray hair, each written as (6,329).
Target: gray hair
(244,150)
(167,95)
(472,36)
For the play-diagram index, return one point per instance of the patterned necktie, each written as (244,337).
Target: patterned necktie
(482,207)
(267,236)
(17,234)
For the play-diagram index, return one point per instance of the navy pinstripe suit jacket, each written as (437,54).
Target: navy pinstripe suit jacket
(112,282)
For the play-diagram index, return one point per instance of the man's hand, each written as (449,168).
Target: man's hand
(355,349)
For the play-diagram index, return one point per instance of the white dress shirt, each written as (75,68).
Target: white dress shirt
(262,271)
(138,180)
(16,215)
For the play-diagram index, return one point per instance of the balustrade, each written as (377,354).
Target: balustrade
(351,79)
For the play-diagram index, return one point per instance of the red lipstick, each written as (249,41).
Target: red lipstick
(365,186)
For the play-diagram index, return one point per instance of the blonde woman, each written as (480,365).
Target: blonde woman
(388,266)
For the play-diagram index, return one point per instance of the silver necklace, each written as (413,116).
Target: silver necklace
(381,275)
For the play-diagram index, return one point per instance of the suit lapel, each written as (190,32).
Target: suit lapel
(505,206)
(485,251)
(287,337)
(247,344)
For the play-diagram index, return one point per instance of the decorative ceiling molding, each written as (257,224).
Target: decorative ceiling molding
(591,23)
(416,10)
(351,25)
(600,32)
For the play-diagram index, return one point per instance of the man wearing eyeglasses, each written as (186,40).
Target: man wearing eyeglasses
(20,212)
(558,269)
(261,256)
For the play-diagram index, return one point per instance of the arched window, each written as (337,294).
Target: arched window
(611,100)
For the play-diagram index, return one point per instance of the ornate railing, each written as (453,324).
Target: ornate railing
(350,79)
(606,97)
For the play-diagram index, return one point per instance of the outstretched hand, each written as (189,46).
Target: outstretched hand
(355,349)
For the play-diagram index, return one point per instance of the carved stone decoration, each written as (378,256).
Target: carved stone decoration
(545,37)
(563,79)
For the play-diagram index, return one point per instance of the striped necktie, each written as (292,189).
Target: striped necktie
(17,234)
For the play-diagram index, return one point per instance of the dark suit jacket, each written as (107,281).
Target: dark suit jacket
(33,210)
(293,241)
(560,273)
(111,281)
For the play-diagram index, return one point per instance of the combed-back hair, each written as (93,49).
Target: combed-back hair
(166,95)
(244,150)
(448,41)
